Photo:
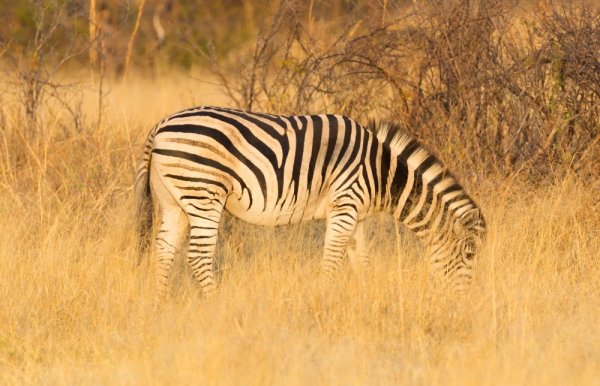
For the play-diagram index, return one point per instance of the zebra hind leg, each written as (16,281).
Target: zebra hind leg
(204,214)
(173,229)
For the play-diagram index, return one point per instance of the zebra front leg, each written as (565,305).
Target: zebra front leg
(341,225)
(204,216)
(357,249)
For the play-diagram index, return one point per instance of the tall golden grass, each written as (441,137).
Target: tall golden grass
(76,308)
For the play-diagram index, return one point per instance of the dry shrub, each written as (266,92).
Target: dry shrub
(489,85)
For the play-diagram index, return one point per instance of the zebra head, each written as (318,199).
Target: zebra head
(469,231)
(453,250)
(427,198)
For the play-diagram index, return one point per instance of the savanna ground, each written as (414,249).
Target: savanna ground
(78,307)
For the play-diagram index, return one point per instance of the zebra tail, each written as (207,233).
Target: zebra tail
(143,203)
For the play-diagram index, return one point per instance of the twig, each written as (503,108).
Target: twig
(133,34)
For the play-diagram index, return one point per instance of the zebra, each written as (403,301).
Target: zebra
(275,170)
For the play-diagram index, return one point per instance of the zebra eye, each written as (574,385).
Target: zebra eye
(468,249)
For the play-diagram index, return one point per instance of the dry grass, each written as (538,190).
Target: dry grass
(76,309)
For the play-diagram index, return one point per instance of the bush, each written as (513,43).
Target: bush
(490,85)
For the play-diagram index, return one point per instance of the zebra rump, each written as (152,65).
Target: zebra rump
(274,170)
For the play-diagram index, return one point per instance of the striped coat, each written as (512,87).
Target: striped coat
(275,170)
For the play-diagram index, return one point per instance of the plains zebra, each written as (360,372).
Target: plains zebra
(274,170)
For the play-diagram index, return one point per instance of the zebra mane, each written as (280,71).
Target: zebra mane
(397,139)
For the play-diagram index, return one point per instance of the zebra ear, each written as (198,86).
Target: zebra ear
(468,220)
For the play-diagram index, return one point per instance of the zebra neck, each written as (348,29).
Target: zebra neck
(417,180)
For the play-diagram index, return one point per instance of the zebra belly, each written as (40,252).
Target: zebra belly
(285,215)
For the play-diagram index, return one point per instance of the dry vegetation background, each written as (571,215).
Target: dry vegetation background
(505,93)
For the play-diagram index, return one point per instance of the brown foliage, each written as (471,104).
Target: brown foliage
(490,84)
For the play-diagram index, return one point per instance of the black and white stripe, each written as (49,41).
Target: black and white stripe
(274,170)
